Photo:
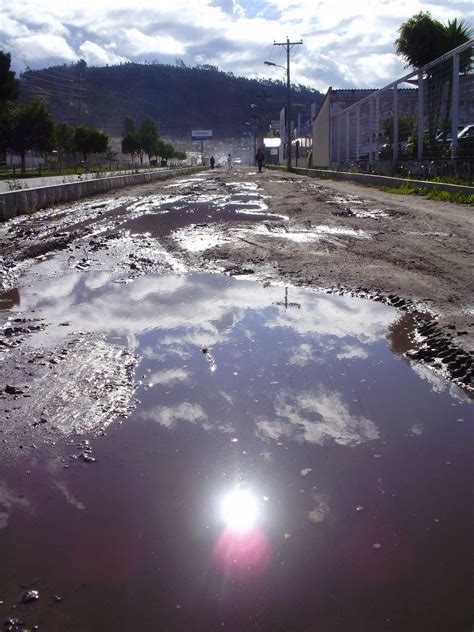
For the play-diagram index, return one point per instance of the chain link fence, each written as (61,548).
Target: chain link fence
(422,121)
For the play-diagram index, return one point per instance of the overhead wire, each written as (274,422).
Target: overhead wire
(51,82)
(58,74)
(40,90)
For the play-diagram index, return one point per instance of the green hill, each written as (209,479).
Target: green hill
(178,98)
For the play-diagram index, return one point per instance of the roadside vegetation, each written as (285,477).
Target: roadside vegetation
(432,194)
(30,126)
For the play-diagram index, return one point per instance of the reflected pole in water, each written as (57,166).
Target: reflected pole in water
(286,304)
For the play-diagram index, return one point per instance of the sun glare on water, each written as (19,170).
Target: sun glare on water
(240,510)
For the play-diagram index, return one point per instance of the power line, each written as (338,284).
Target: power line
(52,83)
(49,92)
(40,91)
(58,74)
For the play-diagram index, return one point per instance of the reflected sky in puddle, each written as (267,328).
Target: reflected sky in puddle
(163,216)
(355,468)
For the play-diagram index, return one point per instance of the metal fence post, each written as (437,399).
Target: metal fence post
(421,124)
(395,122)
(377,126)
(370,129)
(358,132)
(347,135)
(455,106)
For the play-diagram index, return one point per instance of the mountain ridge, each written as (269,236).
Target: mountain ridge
(178,98)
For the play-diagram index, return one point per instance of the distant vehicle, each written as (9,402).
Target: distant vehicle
(237,161)
(464,132)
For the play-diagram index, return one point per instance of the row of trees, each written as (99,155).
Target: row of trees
(144,139)
(31,126)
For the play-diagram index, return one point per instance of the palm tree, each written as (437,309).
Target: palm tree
(456,33)
(423,39)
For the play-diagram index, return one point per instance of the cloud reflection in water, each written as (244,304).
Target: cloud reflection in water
(315,417)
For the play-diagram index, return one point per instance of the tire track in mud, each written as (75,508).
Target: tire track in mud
(77,388)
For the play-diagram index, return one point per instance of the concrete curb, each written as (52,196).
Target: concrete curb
(15,203)
(382,181)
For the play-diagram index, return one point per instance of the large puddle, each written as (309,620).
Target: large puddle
(282,469)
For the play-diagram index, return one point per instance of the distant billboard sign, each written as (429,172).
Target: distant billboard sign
(201,134)
(272,142)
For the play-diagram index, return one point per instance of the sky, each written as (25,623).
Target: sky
(346,43)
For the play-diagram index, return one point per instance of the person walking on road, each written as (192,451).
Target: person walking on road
(212,162)
(229,162)
(259,158)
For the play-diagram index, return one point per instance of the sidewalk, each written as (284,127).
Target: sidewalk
(17,184)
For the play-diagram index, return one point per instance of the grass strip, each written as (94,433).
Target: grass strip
(432,194)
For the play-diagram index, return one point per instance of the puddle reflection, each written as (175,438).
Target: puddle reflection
(312,467)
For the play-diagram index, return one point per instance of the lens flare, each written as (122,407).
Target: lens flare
(240,510)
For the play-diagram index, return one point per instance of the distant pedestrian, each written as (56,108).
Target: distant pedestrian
(229,161)
(259,158)
(212,162)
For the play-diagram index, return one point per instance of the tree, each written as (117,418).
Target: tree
(406,126)
(420,40)
(89,140)
(32,127)
(148,137)
(455,34)
(63,141)
(131,144)
(110,157)
(180,155)
(423,39)
(9,86)
(8,94)
(164,150)
(8,112)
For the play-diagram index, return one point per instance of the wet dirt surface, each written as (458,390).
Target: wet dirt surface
(190,451)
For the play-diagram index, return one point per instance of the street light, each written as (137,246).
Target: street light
(288,109)
(288,45)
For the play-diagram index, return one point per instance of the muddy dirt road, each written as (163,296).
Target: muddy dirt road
(340,237)
(237,401)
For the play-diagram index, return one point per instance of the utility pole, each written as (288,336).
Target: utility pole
(288,45)
(80,89)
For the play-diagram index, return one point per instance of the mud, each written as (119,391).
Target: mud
(331,378)
(411,253)
(358,460)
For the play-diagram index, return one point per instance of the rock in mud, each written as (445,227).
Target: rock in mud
(14,390)
(29,596)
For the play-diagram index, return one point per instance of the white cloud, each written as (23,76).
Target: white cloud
(204,314)
(169,376)
(8,502)
(12,28)
(352,351)
(34,48)
(95,55)
(350,45)
(302,355)
(315,417)
(69,496)
(168,416)
(438,383)
(137,43)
